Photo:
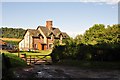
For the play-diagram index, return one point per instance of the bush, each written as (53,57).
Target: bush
(57,53)
(98,52)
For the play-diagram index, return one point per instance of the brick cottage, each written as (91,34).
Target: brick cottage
(42,38)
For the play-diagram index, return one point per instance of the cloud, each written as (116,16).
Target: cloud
(103,1)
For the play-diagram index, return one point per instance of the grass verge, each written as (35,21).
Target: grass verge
(35,53)
(15,61)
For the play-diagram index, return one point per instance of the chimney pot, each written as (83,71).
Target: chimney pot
(49,24)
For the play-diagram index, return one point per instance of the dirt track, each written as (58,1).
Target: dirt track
(53,71)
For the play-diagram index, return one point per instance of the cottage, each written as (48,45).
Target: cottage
(41,38)
(5,46)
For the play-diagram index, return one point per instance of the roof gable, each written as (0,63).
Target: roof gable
(33,32)
(48,32)
(55,31)
(65,35)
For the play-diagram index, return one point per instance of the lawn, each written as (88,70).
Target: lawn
(34,53)
(15,60)
(42,52)
(10,39)
(31,53)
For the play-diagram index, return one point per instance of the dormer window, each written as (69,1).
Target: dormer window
(40,37)
(52,37)
(61,37)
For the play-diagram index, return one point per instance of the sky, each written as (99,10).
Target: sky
(72,17)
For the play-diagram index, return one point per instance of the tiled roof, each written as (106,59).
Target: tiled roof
(55,31)
(47,32)
(65,35)
(34,32)
(2,42)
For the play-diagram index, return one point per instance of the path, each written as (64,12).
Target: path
(53,71)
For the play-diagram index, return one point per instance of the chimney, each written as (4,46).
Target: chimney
(49,24)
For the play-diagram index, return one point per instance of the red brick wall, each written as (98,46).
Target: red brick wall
(49,41)
(38,42)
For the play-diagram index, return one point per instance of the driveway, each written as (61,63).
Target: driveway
(53,71)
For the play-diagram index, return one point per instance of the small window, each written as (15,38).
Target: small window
(21,45)
(50,46)
(61,37)
(52,37)
(35,45)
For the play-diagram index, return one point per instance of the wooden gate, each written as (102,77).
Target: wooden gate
(36,59)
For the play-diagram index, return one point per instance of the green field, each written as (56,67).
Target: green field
(31,53)
(42,52)
(17,61)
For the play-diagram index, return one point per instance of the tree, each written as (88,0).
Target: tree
(94,35)
(12,32)
(78,39)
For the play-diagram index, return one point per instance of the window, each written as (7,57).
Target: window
(21,45)
(50,46)
(61,37)
(35,46)
(52,37)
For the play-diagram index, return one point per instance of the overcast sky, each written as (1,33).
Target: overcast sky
(71,16)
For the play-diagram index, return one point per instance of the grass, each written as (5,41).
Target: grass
(90,64)
(11,62)
(4,51)
(10,39)
(34,53)
(42,52)
(15,61)
(14,56)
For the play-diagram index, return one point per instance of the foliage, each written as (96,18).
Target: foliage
(78,39)
(15,43)
(94,35)
(98,34)
(12,32)
(56,43)
(57,53)
(70,48)
(97,44)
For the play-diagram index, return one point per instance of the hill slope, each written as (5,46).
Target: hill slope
(12,32)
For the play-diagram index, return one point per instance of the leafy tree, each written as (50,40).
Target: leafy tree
(12,32)
(78,39)
(112,34)
(94,35)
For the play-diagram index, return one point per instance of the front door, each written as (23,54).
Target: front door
(42,46)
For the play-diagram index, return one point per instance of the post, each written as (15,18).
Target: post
(25,57)
(30,59)
(34,59)
(18,52)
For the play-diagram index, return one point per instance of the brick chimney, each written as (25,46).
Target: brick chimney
(49,24)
